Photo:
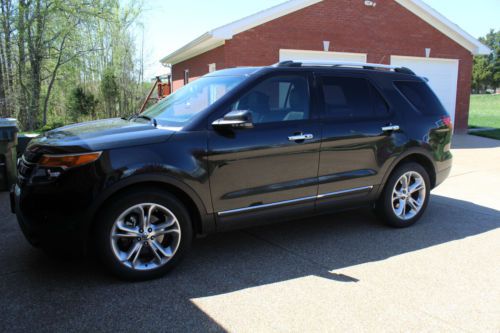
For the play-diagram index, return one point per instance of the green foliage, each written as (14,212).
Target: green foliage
(81,103)
(486,73)
(491,134)
(485,111)
(109,90)
(50,126)
(49,47)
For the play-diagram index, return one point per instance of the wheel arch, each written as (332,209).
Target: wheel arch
(420,156)
(203,221)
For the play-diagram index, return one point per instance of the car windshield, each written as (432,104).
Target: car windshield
(179,108)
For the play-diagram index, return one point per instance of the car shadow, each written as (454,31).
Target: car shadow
(81,293)
(466,141)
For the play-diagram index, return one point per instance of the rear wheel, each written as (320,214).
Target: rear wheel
(143,234)
(405,196)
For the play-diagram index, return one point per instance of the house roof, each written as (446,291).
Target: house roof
(218,36)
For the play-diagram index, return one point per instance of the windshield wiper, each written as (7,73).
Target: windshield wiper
(141,116)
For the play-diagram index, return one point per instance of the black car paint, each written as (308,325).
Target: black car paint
(219,171)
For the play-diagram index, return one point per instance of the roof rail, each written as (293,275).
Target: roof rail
(303,63)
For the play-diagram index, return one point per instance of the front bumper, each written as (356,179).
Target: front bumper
(53,232)
(12,197)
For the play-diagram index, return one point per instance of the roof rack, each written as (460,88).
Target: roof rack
(303,63)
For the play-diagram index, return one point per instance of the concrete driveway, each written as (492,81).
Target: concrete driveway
(342,272)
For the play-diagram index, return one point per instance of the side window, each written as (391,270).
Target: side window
(280,98)
(348,98)
(380,108)
(421,97)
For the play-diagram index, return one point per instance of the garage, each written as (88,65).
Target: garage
(442,76)
(321,55)
(399,32)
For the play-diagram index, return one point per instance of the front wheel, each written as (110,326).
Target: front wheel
(143,234)
(405,197)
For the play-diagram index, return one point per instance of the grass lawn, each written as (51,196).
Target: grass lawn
(492,134)
(484,111)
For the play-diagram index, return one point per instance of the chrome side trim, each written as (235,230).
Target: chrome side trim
(274,204)
(352,190)
(281,203)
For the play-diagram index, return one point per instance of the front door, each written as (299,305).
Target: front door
(271,168)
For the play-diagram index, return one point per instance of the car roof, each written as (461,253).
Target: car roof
(250,71)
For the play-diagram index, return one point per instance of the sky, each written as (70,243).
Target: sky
(170,24)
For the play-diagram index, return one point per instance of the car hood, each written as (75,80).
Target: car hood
(99,135)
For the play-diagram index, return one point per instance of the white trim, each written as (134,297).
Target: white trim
(422,58)
(229,30)
(318,55)
(200,45)
(441,23)
(217,37)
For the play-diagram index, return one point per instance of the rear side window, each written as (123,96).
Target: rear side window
(352,98)
(421,97)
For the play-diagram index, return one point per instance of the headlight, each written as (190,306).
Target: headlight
(68,161)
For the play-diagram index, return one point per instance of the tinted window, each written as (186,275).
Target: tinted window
(380,108)
(281,98)
(421,97)
(352,98)
(179,108)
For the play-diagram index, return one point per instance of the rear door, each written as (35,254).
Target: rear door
(269,170)
(359,138)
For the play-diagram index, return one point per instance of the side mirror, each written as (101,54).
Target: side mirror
(235,119)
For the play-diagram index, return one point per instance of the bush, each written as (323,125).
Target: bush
(81,103)
(51,126)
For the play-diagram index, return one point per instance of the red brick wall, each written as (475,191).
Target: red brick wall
(198,66)
(388,29)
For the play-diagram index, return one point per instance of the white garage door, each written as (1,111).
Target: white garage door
(319,55)
(441,73)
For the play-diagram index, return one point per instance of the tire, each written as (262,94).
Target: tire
(138,250)
(397,207)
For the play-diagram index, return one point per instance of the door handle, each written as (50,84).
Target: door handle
(390,128)
(301,137)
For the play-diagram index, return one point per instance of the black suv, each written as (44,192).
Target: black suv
(235,148)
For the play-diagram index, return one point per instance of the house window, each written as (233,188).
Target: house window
(186,76)
(212,68)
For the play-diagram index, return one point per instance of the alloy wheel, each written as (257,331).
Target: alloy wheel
(145,236)
(408,195)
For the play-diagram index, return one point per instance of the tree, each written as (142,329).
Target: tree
(81,103)
(109,90)
(486,72)
(482,73)
(49,47)
(6,56)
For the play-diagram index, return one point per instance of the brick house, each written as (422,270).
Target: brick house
(399,32)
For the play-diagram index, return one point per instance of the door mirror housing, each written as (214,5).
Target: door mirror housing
(235,119)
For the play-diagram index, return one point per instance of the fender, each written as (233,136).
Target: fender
(207,219)
(410,151)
